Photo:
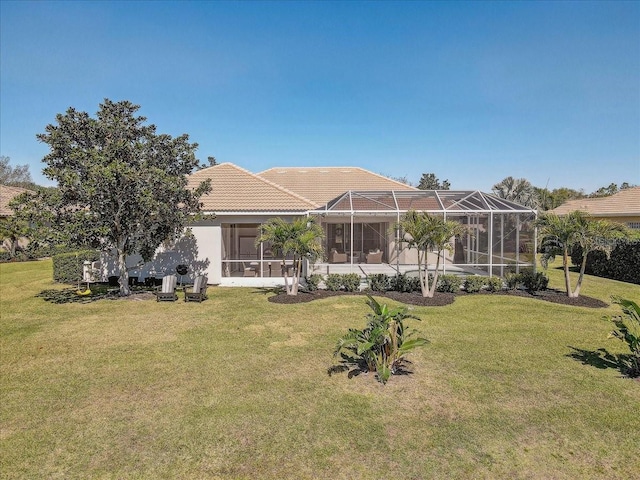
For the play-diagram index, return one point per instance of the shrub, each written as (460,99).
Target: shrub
(378,282)
(512,280)
(381,346)
(533,282)
(67,267)
(449,283)
(313,281)
(333,282)
(494,284)
(351,282)
(623,264)
(404,283)
(628,331)
(474,283)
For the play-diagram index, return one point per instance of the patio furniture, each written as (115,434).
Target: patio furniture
(374,256)
(249,270)
(167,292)
(198,291)
(336,257)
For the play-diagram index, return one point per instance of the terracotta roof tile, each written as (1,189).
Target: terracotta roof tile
(234,189)
(624,203)
(323,184)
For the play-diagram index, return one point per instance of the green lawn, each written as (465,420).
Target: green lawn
(236,387)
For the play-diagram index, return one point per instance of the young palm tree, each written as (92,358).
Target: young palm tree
(560,234)
(301,238)
(425,233)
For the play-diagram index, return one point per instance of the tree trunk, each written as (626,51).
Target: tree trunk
(124,274)
(432,290)
(583,266)
(565,265)
(287,288)
(423,276)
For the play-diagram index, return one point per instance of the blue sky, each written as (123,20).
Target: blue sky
(472,92)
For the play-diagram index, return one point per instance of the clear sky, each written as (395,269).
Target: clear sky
(472,92)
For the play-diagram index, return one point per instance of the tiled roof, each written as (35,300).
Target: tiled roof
(624,203)
(323,184)
(234,189)
(6,195)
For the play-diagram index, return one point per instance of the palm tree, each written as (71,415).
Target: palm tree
(518,190)
(425,233)
(560,234)
(301,238)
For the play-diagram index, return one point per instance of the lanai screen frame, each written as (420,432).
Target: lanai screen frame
(447,203)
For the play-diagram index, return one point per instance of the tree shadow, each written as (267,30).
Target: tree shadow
(603,359)
(71,295)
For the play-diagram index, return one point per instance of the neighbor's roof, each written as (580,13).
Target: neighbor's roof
(234,189)
(323,184)
(6,195)
(622,204)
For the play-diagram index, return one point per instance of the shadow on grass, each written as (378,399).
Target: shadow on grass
(269,290)
(71,295)
(356,366)
(603,359)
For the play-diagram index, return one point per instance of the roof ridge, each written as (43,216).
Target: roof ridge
(268,182)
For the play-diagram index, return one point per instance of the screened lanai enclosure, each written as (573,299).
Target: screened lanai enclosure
(361,234)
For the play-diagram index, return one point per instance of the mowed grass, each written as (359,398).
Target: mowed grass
(237,387)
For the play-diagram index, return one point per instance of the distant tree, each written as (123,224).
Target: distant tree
(211,162)
(121,185)
(605,191)
(429,181)
(548,200)
(612,189)
(404,179)
(517,190)
(17,176)
(560,234)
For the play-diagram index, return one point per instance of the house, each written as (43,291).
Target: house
(357,210)
(8,193)
(622,207)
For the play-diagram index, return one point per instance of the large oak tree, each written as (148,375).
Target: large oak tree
(122,186)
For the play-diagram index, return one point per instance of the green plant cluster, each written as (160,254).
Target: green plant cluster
(313,282)
(381,346)
(67,267)
(474,283)
(623,264)
(527,279)
(449,283)
(378,282)
(628,330)
(404,283)
(350,282)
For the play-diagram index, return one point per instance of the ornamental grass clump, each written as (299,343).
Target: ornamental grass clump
(381,346)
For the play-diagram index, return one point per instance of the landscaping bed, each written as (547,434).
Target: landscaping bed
(440,299)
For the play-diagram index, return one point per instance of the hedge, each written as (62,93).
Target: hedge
(67,267)
(622,265)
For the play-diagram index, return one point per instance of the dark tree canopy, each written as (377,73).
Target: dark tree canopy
(429,181)
(121,185)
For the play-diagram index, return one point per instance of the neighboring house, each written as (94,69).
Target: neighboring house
(622,207)
(357,210)
(7,194)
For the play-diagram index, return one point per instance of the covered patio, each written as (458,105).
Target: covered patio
(360,233)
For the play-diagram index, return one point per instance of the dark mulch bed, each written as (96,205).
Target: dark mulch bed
(440,299)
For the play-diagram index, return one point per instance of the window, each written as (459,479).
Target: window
(634,225)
